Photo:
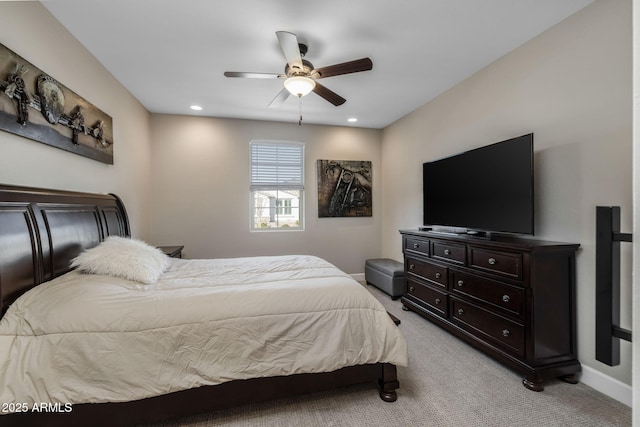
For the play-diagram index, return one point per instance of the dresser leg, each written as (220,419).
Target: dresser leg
(534,384)
(571,379)
(390,396)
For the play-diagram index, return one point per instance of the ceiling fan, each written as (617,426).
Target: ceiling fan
(300,77)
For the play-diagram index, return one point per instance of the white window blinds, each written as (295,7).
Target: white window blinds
(276,164)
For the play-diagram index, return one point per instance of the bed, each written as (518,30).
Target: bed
(204,334)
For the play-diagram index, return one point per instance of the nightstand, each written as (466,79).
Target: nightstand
(172,251)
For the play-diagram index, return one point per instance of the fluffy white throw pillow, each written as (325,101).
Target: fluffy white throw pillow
(126,258)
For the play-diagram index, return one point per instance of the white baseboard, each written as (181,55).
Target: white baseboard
(606,385)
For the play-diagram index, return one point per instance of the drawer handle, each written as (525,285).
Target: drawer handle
(460,283)
(411,266)
(411,289)
(492,261)
(460,312)
(438,275)
(438,301)
(447,252)
(505,298)
(416,245)
(505,333)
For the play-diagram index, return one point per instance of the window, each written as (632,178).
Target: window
(277,185)
(284,207)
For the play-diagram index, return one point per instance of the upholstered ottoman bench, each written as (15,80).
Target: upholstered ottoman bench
(386,275)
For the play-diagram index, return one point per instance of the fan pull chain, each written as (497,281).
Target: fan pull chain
(300,109)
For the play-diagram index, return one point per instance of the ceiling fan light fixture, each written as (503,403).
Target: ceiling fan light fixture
(299,85)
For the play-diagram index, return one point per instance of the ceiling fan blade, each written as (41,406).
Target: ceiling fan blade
(329,95)
(279,99)
(254,75)
(289,45)
(363,64)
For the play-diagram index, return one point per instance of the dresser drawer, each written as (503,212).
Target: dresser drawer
(504,296)
(449,252)
(504,263)
(434,273)
(430,298)
(416,245)
(505,333)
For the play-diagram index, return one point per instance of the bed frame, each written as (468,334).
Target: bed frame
(42,230)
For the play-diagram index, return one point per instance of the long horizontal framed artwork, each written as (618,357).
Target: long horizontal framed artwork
(36,106)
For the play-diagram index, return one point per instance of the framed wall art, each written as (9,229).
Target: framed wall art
(344,188)
(36,106)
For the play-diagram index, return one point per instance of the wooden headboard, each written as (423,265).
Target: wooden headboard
(42,230)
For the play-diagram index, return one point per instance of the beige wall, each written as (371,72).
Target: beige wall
(571,87)
(200,179)
(28,29)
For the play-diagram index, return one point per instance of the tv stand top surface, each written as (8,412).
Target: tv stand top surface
(489,239)
(467,233)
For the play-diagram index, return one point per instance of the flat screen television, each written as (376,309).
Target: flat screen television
(488,189)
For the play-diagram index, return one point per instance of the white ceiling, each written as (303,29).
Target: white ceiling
(171,54)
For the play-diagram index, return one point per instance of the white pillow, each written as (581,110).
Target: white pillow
(126,258)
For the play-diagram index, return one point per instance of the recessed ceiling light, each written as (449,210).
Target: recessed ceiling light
(352,119)
(196,107)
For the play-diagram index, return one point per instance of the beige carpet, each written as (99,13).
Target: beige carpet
(447,383)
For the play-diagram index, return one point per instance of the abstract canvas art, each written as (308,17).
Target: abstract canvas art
(344,188)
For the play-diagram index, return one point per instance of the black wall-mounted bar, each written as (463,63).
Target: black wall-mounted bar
(608,238)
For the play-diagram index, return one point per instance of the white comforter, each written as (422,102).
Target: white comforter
(89,338)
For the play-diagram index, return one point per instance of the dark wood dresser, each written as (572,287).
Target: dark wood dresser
(512,298)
